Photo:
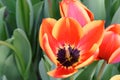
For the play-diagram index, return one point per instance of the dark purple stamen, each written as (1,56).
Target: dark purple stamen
(69,60)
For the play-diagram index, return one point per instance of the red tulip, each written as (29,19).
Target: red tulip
(76,10)
(68,45)
(110,47)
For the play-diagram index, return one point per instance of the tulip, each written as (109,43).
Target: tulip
(76,10)
(110,46)
(68,45)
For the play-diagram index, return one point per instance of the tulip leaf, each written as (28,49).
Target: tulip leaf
(4,52)
(9,15)
(108,5)
(51,8)
(46,9)
(1,4)
(10,4)
(54,9)
(7,64)
(48,61)
(97,7)
(88,72)
(43,69)
(109,71)
(23,48)
(38,11)
(46,65)
(49,66)
(10,68)
(38,15)
(3,78)
(116,17)
(24,15)
(118,67)
(3,31)
(35,1)
(10,22)
(114,7)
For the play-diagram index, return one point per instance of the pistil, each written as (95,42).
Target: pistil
(67,55)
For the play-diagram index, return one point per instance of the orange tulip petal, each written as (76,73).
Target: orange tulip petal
(46,27)
(115,57)
(48,49)
(110,43)
(87,57)
(93,33)
(115,28)
(67,30)
(62,72)
(75,9)
(63,9)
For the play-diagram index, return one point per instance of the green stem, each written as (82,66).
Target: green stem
(18,56)
(101,70)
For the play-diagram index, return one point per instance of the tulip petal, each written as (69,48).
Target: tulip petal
(90,14)
(115,28)
(93,33)
(48,49)
(62,72)
(87,57)
(67,30)
(115,57)
(110,43)
(46,27)
(75,9)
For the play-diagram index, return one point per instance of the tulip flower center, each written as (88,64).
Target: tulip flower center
(67,55)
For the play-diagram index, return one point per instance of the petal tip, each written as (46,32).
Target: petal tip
(62,72)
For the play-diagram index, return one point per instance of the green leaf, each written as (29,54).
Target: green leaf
(38,15)
(43,69)
(109,71)
(46,9)
(10,21)
(3,77)
(4,53)
(88,72)
(23,48)
(7,64)
(35,1)
(3,31)
(10,4)
(97,7)
(9,15)
(37,12)
(118,67)
(54,9)
(49,66)
(51,9)
(108,5)
(114,7)
(10,69)
(24,15)
(116,17)
(1,4)
(38,8)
